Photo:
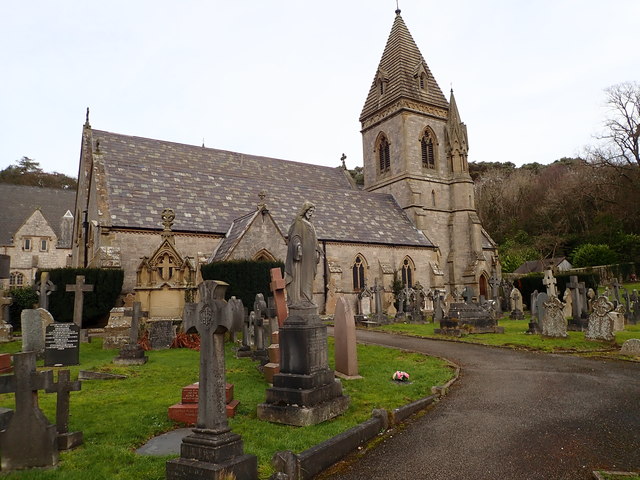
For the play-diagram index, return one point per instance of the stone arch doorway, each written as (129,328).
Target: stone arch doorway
(484,286)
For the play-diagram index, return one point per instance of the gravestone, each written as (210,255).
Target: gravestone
(533,304)
(568,303)
(378,290)
(364,301)
(582,292)
(44,288)
(516,305)
(616,289)
(346,354)
(33,331)
(29,440)
(212,451)
(576,323)
(628,314)
(6,330)
(62,345)
(247,337)
(63,387)
(631,347)
(131,353)
(635,298)
(116,333)
(550,282)
(553,323)
(78,290)
(277,287)
(535,325)
(464,318)
(161,334)
(305,392)
(600,321)
(591,295)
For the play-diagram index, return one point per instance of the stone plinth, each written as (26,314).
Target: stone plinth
(116,333)
(187,410)
(631,347)
(466,318)
(305,392)
(131,354)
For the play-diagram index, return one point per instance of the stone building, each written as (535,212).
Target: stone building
(35,229)
(415,219)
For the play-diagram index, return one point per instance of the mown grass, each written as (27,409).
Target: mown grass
(514,336)
(118,416)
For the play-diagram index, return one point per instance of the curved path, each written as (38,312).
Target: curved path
(513,415)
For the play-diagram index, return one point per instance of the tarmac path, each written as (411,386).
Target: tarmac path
(512,415)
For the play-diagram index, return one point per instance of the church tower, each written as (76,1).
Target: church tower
(415,148)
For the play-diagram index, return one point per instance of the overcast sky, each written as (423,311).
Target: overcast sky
(288,79)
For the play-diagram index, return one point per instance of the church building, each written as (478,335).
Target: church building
(415,219)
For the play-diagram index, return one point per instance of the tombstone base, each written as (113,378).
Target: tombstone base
(67,441)
(516,315)
(534,329)
(269,370)
(131,355)
(209,456)
(6,332)
(243,352)
(303,416)
(450,332)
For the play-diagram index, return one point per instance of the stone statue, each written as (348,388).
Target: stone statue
(303,255)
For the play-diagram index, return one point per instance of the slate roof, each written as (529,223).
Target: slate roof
(400,61)
(538,266)
(208,189)
(237,229)
(20,201)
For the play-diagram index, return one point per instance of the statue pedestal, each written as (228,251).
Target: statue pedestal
(305,392)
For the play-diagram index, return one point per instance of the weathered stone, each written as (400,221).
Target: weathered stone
(553,322)
(631,347)
(131,353)
(161,334)
(64,385)
(600,321)
(78,289)
(29,440)
(33,331)
(346,354)
(516,304)
(116,332)
(6,330)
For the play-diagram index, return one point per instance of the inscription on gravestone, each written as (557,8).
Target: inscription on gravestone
(62,345)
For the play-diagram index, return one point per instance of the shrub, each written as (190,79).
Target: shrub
(246,278)
(590,255)
(23,297)
(107,285)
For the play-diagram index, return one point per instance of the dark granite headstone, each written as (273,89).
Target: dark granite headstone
(62,345)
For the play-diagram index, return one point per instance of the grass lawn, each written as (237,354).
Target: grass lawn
(514,336)
(117,416)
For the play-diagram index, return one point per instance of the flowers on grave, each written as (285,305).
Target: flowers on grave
(400,376)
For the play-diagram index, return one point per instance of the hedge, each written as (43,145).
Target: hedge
(107,285)
(23,297)
(246,278)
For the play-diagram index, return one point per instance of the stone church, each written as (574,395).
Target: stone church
(415,219)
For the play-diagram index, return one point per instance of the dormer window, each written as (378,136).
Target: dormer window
(382,79)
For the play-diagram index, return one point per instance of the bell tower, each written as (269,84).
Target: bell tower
(415,148)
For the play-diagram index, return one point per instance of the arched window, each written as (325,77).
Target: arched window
(407,272)
(264,255)
(428,155)
(16,279)
(384,156)
(358,273)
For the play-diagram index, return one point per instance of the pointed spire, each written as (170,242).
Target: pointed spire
(456,138)
(402,73)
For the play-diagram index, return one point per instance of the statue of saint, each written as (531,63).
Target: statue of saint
(303,255)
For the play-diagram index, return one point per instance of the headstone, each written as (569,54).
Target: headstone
(582,292)
(600,321)
(494,283)
(345,341)
(540,306)
(550,282)
(131,353)
(305,392)
(62,345)
(568,303)
(591,295)
(78,289)
(44,288)
(553,323)
(467,294)
(277,287)
(29,440)
(533,304)
(64,385)
(538,311)
(438,311)
(378,290)
(616,289)
(364,301)
(631,347)
(161,334)
(6,330)
(212,451)
(635,298)
(628,314)
(116,332)
(576,323)
(32,331)
(516,304)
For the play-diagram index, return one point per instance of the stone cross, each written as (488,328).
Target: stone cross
(62,388)
(377,291)
(45,287)
(550,281)
(135,323)
(582,291)
(212,447)
(29,440)
(438,313)
(78,289)
(277,286)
